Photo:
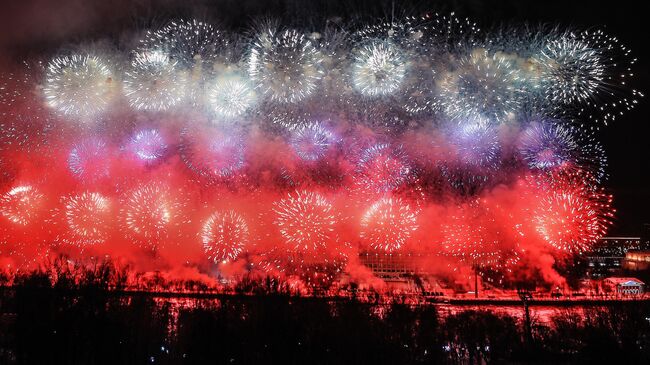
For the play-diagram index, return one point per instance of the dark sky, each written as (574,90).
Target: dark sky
(34,26)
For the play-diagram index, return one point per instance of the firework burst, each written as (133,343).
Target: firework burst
(484,84)
(224,235)
(87,217)
(230,96)
(378,69)
(285,65)
(21,204)
(212,154)
(382,168)
(555,147)
(148,214)
(154,81)
(311,141)
(388,224)
(89,160)
(572,218)
(148,145)
(80,85)
(306,221)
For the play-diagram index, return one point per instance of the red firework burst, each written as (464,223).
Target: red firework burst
(388,224)
(573,217)
(224,236)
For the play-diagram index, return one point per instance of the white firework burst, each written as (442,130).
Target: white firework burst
(230,96)
(194,43)
(155,82)
(484,84)
(379,68)
(285,65)
(79,85)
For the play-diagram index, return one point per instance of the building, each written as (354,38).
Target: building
(391,267)
(624,286)
(637,260)
(607,255)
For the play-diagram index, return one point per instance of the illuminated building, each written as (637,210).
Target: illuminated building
(608,254)
(625,286)
(638,260)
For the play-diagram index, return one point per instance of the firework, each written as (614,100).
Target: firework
(474,157)
(476,144)
(285,65)
(388,224)
(198,47)
(306,221)
(79,85)
(349,111)
(448,33)
(21,204)
(88,160)
(230,96)
(572,218)
(570,69)
(552,147)
(224,236)
(383,168)
(484,84)
(195,43)
(212,154)
(474,237)
(148,213)
(87,216)
(311,141)
(147,145)
(379,68)
(154,81)
(23,131)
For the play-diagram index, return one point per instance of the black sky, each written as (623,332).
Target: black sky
(37,26)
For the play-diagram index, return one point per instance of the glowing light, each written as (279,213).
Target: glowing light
(224,236)
(154,82)
(378,68)
(388,224)
(285,65)
(230,96)
(306,221)
(89,160)
(20,204)
(311,141)
(88,217)
(79,85)
(148,145)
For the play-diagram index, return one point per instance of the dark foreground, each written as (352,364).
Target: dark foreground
(95,326)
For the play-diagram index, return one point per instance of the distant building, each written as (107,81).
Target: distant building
(625,286)
(637,260)
(607,255)
(391,267)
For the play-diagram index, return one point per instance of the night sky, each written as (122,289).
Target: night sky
(36,27)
